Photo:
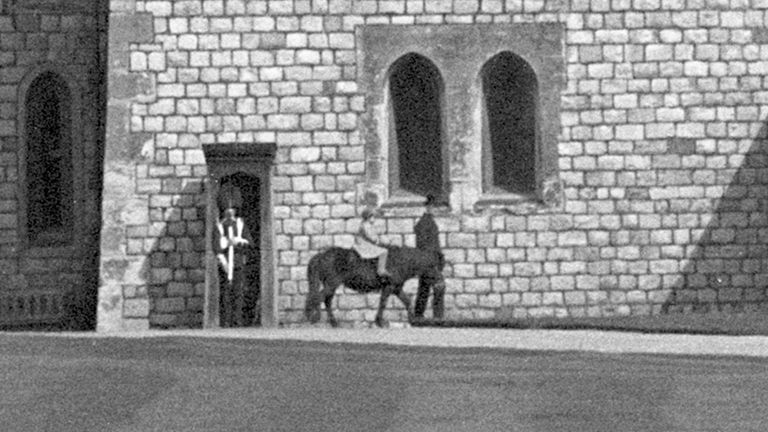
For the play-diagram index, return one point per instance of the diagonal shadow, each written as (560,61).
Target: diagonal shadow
(726,270)
(174,269)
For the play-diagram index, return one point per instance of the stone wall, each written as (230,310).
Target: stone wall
(660,155)
(42,283)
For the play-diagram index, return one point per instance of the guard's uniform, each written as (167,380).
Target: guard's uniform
(232,293)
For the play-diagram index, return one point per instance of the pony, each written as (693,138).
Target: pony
(339,266)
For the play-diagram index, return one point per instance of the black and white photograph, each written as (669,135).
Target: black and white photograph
(383,215)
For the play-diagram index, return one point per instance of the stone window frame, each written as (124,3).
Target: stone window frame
(460,52)
(378,121)
(57,246)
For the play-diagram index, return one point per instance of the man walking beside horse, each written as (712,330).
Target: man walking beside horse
(427,239)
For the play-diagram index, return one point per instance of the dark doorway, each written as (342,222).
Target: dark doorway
(415,89)
(240,304)
(509,157)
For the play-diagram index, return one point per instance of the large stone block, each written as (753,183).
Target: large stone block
(304,154)
(131,28)
(462,240)
(136,308)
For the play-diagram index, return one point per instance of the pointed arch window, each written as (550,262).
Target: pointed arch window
(416,147)
(510,135)
(495,113)
(48,177)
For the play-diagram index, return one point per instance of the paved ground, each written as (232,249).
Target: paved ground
(318,379)
(731,323)
(549,340)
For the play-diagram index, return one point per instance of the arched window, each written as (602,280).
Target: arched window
(49,183)
(510,92)
(416,152)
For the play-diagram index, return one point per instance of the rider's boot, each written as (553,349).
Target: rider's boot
(382,266)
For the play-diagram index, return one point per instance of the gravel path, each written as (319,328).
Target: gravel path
(537,340)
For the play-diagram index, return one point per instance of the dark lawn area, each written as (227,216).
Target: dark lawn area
(187,384)
(748,323)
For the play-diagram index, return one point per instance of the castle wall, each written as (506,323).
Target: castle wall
(654,199)
(50,284)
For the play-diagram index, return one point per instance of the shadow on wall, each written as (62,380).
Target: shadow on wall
(727,270)
(175,264)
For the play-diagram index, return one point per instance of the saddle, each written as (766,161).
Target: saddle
(365,268)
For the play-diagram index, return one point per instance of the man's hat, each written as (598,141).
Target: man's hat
(229,196)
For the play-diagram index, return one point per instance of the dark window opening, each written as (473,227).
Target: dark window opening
(49,161)
(509,158)
(415,89)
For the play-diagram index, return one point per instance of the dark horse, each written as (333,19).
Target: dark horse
(338,266)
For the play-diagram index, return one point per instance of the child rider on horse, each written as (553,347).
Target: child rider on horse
(367,242)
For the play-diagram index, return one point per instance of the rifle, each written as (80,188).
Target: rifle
(234,235)
(230,245)
(230,253)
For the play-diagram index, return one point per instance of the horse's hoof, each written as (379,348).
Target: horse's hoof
(411,316)
(382,323)
(313,317)
(333,323)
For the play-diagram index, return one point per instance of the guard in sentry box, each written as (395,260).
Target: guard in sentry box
(232,243)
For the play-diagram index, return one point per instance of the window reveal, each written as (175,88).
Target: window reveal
(415,92)
(510,93)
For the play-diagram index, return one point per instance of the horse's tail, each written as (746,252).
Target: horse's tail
(312,304)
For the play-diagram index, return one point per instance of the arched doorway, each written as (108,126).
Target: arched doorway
(239,178)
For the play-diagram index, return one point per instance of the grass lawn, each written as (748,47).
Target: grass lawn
(747,323)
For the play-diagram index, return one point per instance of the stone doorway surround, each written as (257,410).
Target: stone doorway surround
(254,160)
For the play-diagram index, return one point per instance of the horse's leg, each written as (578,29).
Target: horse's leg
(312,309)
(315,296)
(422,295)
(406,300)
(385,292)
(328,293)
